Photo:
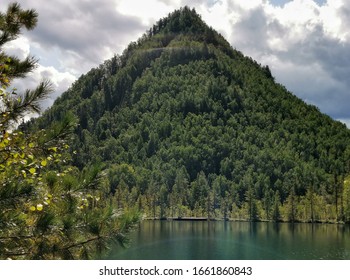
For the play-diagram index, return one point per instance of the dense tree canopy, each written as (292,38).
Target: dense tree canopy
(188,126)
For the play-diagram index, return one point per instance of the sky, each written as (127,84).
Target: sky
(306,43)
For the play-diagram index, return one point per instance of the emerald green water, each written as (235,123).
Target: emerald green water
(194,240)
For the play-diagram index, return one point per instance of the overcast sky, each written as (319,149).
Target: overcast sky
(306,43)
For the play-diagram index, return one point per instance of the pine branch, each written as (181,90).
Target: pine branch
(32,98)
(16,68)
(83,243)
(18,108)
(13,20)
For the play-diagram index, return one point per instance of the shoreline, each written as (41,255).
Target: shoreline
(201,219)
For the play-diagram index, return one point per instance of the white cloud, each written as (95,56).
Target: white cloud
(60,82)
(148,11)
(345,121)
(19,48)
(217,15)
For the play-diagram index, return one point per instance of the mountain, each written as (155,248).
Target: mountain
(185,125)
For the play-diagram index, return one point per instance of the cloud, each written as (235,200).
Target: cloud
(345,121)
(18,48)
(60,82)
(148,11)
(306,53)
(87,32)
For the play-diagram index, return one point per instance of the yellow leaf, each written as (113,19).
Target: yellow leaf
(53,149)
(39,207)
(31,145)
(32,208)
(43,163)
(32,170)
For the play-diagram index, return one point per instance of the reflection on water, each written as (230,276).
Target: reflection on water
(236,240)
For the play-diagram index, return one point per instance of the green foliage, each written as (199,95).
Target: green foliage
(188,126)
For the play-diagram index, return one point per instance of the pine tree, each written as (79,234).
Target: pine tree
(49,210)
(276,214)
(251,201)
(291,206)
(13,106)
(346,200)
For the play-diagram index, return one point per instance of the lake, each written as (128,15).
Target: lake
(219,240)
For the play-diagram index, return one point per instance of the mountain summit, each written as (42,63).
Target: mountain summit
(185,125)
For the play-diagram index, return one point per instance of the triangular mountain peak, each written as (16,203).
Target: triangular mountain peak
(184,20)
(184,23)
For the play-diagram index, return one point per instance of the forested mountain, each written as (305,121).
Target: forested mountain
(185,125)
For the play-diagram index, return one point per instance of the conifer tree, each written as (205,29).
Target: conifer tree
(48,209)
(276,215)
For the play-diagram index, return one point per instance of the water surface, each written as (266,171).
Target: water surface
(195,240)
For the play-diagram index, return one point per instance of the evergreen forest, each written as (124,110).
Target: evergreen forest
(184,125)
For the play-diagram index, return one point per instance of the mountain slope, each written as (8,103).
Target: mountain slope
(188,126)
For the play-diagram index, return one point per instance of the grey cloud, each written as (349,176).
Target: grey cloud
(318,68)
(85,28)
(331,91)
(333,55)
(333,100)
(344,14)
(335,58)
(251,31)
